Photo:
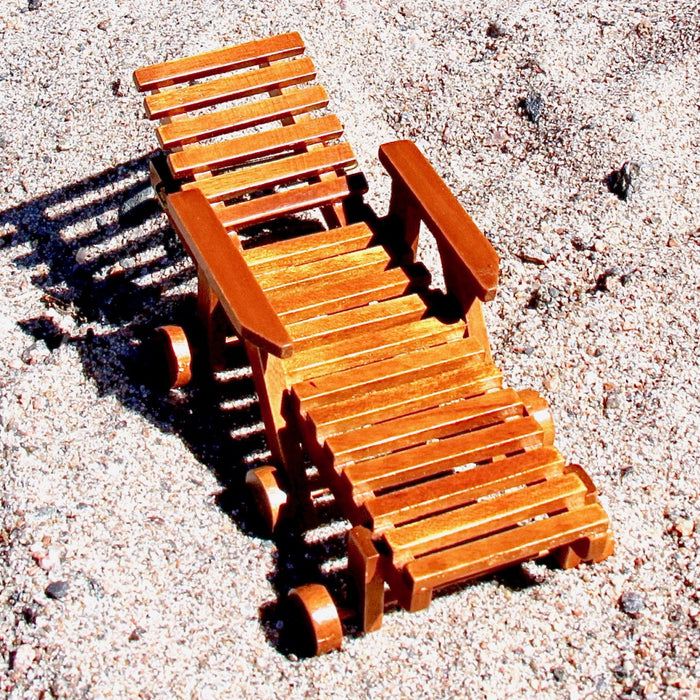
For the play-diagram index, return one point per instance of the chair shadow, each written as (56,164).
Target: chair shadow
(111,269)
(104,257)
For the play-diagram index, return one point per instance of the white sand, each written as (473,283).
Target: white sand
(113,488)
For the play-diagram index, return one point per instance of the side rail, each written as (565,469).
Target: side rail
(419,194)
(220,260)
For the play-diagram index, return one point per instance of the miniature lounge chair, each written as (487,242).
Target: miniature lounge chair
(444,474)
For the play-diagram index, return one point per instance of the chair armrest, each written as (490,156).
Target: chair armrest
(419,194)
(222,262)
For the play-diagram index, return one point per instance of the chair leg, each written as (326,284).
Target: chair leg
(589,550)
(363,562)
(215,322)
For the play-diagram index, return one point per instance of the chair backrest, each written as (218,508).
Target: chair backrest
(237,124)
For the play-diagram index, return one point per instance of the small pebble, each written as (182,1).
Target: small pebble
(533,106)
(684,527)
(57,590)
(35,353)
(34,4)
(632,603)
(612,401)
(138,207)
(621,182)
(495,30)
(23,658)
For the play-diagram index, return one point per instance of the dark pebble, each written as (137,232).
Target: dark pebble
(136,634)
(495,30)
(102,221)
(31,612)
(138,207)
(34,4)
(544,297)
(57,589)
(559,673)
(632,603)
(609,280)
(533,106)
(621,182)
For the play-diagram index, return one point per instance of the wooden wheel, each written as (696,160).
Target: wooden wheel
(538,408)
(178,355)
(314,610)
(269,497)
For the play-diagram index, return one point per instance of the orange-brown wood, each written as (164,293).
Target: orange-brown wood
(293,201)
(355,322)
(319,617)
(221,154)
(404,399)
(197,127)
(364,566)
(246,305)
(276,172)
(227,88)
(444,474)
(268,259)
(333,293)
(221,60)
(484,517)
(458,488)
(489,554)
(177,355)
(371,347)
(433,458)
(461,242)
(400,433)
(424,362)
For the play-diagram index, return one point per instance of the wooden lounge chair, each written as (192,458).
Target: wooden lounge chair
(387,387)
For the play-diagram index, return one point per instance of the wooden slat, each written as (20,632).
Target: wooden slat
(222,263)
(276,172)
(424,362)
(313,272)
(404,398)
(225,121)
(371,347)
(400,433)
(433,458)
(456,489)
(267,259)
(458,238)
(222,154)
(292,201)
(371,318)
(219,61)
(339,292)
(453,527)
(229,87)
(492,553)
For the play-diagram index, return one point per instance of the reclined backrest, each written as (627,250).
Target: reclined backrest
(241,125)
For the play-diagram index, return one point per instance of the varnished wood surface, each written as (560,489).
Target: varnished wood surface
(501,549)
(446,474)
(456,234)
(277,172)
(228,87)
(197,127)
(332,190)
(219,61)
(221,154)
(235,286)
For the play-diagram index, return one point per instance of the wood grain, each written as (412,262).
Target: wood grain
(220,260)
(219,61)
(229,87)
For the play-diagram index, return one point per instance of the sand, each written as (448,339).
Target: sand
(130,502)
